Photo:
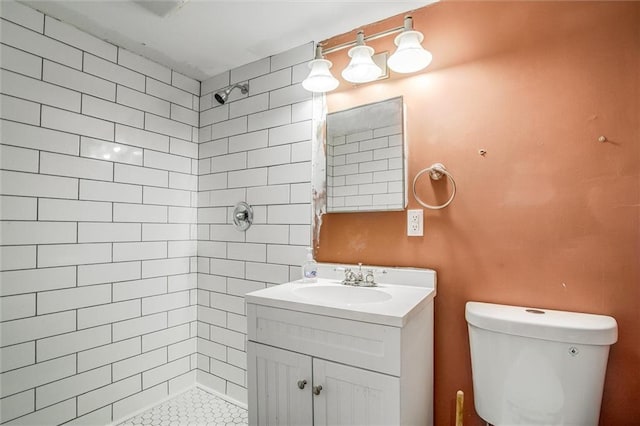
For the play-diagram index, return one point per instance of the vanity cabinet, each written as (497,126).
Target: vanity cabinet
(310,365)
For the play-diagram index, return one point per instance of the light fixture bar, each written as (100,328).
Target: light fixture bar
(366,38)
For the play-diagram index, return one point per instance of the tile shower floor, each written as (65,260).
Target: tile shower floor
(193,407)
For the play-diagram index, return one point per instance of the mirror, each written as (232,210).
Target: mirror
(365,158)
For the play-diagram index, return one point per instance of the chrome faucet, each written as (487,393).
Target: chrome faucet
(358,279)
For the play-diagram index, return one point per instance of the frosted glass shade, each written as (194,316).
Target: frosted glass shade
(410,56)
(361,69)
(320,78)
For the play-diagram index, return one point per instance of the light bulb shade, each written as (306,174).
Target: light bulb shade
(320,78)
(410,56)
(361,69)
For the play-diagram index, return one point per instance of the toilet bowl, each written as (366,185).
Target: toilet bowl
(538,366)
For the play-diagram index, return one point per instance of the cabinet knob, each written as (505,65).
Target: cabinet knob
(302,384)
(317,389)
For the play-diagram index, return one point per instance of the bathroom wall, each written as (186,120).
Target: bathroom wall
(254,148)
(98,285)
(548,217)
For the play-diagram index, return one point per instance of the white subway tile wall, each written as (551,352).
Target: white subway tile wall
(98,202)
(255,148)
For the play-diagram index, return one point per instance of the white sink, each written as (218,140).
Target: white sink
(342,295)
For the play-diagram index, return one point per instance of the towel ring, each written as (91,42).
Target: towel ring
(436,171)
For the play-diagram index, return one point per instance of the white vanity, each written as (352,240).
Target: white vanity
(330,354)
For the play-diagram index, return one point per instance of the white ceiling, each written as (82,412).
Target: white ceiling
(203,38)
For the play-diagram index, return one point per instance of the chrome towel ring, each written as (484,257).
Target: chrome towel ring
(436,171)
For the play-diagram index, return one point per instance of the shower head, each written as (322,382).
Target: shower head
(222,96)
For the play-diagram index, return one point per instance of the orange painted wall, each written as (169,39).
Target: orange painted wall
(549,217)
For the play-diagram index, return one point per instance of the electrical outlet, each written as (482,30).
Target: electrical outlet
(415,223)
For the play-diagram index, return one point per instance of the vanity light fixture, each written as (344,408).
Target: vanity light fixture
(320,78)
(409,57)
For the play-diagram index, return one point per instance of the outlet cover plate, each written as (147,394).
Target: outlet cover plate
(415,223)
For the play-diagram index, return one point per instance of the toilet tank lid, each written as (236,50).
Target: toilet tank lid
(547,324)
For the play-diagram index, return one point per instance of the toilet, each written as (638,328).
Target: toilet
(538,366)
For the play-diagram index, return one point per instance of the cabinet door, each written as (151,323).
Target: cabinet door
(352,396)
(275,398)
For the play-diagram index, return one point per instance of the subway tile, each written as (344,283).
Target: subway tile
(251,70)
(18,159)
(301,193)
(182,282)
(139,326)
(24,39)
(73,254)
(142,101)
(137,364)
(236,287)
(181,316)
(164,302)
(182,215)
(33,280)
(249,105)
(106,191)
(184,115)
(139,213)
(161,267)
(181,349)
(290,173)
(108,272)
(288,95)
(227,371)
(289,214)
(23,15)
(267,272)
(184,148)
(139,251)
(269,156)
(27,136)
(202,297)
(167,127)
(183,82)
(299,72)
(226,232)
(139,288)
(64,344)
(249,141)
(165,337)
(237,392)
(16,356)
(294,132)
(55,414)
(35,375)
(140,175)
(80,39)
(108,232)
(214,115)
(227,128)
(71,122)
(160,160)
(20,208)
(236,357)
(303,53)
(302,111)
(21,62)
(183,181)
(212,316)
(227,303)
(169,93)
(272,81)
(284,254)
(212,181)
(72,386)
(300,235)
(17,257)
(101,416)
(247,251)
(215,83)
(231,268)
(274,194)
(212,215)
(38,91)
(227,197)
(139,401)
(212,283)
(228,337)
(108,394)
(142,138)
(108,354)
(16,307)
(165,372)
(212,349)
(271,118)
(66,165)
(213,148)
(16,405)
(78,81)
(19,110)
(222,163)
(204,133)
(301,151)
(106,314)
(112,112)
(73,298)
(113,72)
(212,249)
(72,210)
(143,65)
(24,330)
(171,197)
(94,148)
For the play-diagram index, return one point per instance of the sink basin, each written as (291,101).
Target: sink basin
(341,294)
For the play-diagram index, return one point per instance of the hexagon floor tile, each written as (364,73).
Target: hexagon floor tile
(194,407)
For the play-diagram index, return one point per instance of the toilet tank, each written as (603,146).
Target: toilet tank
(538,366)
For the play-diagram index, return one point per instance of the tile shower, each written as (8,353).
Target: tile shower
(122,278)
